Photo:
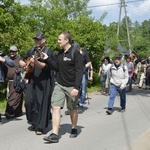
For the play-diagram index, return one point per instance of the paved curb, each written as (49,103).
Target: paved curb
(142,142)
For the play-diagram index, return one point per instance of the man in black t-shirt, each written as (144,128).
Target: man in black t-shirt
(69,74)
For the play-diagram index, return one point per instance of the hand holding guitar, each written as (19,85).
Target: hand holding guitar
(22,63)
(44,56)
(32,60)
(28,64)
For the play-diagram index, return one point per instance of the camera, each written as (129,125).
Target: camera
(2,54)
(18,71)
(37,52)
(37,49)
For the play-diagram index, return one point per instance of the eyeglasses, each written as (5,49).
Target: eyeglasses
(11,51)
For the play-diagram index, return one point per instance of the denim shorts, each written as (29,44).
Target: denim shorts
(62,93)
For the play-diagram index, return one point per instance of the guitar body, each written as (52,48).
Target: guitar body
(29,68)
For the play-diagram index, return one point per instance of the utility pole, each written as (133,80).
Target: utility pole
(122,4)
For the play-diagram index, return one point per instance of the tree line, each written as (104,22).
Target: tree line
(19,23)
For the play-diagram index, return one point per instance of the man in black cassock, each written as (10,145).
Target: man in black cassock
(39,85)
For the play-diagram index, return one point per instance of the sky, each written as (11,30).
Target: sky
(136,10)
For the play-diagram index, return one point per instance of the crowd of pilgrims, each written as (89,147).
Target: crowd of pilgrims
(138,69)
(39,84)
(35,85)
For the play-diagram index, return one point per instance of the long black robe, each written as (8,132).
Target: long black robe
(38,95)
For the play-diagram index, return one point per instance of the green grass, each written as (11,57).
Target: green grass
(91,89)
(2,106)
(2,101)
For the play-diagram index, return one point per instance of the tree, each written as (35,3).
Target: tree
(13,31)
(54,16)
(141,38)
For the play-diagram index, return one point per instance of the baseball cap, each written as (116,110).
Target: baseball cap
(39,36)
(118,56)
(13,48)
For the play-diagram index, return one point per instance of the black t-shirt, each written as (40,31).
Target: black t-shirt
(69,70)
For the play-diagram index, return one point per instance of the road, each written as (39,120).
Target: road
(97,130)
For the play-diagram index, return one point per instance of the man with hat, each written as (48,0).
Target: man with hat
(118,78)
(40,85)
(14,98)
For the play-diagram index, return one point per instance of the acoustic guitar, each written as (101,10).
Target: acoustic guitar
(28,69)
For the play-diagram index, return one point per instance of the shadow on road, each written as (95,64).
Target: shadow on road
(139,91)
(13,118)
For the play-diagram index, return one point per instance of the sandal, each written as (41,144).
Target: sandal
(39,132)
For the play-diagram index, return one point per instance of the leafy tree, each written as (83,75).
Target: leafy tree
(19,23)
(53,16)
(13,30)
(141,38)
(111,44)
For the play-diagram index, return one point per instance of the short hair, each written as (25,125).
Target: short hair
(67,35)
(129,57)
(107,58)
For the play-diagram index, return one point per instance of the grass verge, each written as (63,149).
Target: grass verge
(2,101)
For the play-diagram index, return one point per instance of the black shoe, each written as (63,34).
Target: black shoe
(19,115)
(67,112)
(52,138)
(106,94)
(80,110)
(7,115)
(109,111)
(122,110)
(32,127)
(73,133)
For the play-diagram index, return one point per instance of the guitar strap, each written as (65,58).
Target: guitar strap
(46,50)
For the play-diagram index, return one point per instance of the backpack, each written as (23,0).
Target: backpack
(73,51)
(18,83)
(122,65)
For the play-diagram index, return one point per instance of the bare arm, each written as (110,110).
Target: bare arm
(38,63)
(100,70)
(91,75)
(88,64)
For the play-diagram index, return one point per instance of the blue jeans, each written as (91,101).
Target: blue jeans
(83,90)
(113,91)
(102,81)
(130,83)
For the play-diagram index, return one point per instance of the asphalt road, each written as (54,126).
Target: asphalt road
(97,130)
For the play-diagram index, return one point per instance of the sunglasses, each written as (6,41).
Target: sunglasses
(11,51)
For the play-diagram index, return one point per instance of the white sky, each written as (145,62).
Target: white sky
(137,11)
